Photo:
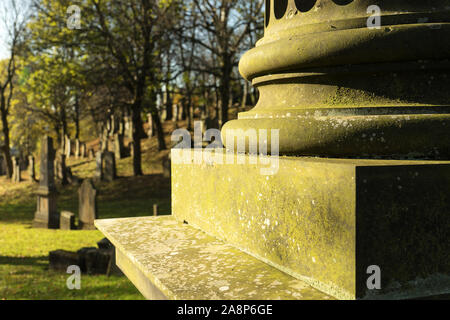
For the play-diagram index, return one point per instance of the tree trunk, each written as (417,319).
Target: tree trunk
(6,147)
(137,136)
(159,131)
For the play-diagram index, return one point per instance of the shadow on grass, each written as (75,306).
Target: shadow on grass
(25,261)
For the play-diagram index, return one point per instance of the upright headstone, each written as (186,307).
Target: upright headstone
(91,154)
(99,165)
(46,215)
(31,171)
(118,146)
(68,147)
(88,205)
(109,167)
(17,173)
(67,221)
(61,169)
(83,153)
(77,148)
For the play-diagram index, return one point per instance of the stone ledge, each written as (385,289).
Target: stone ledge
(168,259)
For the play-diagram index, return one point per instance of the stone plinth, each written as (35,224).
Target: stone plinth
(146,248)
(325,221)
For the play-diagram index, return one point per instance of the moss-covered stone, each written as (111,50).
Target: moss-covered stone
(326,220)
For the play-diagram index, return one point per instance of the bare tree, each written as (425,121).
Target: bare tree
(14,15)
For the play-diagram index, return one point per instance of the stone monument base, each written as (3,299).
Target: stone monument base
(324,222)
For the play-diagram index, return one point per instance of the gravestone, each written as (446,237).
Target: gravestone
(61,169)
(91,154)
(46,215)
(17,172)
(131,149)
(99,165)
(118,146)
(87,205)
(77,148)
(31,170)
(83,150)
(67,221)
(109,166)
(68,150)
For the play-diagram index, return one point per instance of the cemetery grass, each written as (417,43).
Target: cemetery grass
(24,251)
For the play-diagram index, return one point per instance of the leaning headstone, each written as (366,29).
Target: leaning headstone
(99,165)
(87,205)
(67,221)
(118,146)
(17,173)
(109,166)
(31,171)
(46,215)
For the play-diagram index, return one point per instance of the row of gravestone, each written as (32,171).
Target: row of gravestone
(47,215)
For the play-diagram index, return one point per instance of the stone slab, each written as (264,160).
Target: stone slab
(325,221)
(167,259)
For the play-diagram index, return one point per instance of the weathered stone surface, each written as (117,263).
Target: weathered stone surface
(87,204)
(148,247)
(109,166)
(61,169)
(327,220)
(77,149)
(46,215)
(349,90)
(67,221)
(68,145)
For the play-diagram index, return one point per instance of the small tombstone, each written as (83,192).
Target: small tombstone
(87,205)
(61,169)
(155,210)
(31,171)
(99,165)
(17,173)
(60,260)
(130,128)
(118,146)
(67,221)
(77,149)
(175,110)
(109,166)
(83,153)
(91,154)
(167,166)
(68,147)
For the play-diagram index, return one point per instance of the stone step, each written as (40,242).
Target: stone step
(167,259)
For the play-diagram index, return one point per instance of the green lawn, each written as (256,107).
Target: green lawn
(24,251)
